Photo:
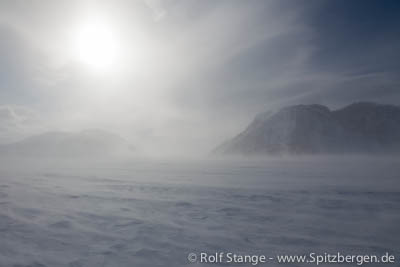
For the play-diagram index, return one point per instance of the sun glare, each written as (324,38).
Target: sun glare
(96,45)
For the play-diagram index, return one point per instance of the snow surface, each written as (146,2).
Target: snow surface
(153,213)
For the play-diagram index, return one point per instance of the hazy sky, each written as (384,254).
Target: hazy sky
(184,75)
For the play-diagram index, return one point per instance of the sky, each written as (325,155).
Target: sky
(182,76)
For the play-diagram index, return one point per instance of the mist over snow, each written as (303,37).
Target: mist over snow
(120,122)
(91,143)
(180,77)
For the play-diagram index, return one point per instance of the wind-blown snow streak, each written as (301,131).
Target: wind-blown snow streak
(155,213)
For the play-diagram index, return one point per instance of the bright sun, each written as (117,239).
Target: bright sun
(96,45)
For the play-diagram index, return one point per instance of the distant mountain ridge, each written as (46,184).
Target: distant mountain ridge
(362,127)
(86,143)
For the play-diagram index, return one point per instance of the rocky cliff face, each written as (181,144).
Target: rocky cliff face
(311,129)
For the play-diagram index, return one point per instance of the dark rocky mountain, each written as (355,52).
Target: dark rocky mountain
(87,143)
(311,129)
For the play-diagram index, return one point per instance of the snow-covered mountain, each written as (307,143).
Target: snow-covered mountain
(93,142)
(309,129)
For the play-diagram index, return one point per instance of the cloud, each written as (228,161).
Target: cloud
(156,6)
(194,72)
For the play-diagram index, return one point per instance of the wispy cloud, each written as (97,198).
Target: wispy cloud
(189,67)
(156,6)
